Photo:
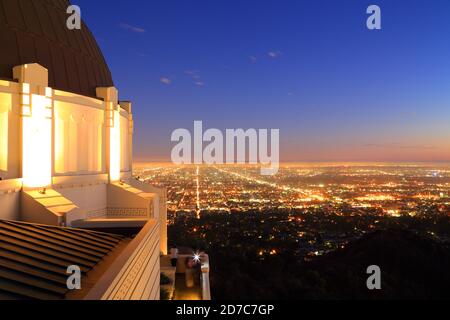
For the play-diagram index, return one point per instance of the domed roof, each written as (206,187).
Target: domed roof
(35,31)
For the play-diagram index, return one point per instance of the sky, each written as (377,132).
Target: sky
(336,90)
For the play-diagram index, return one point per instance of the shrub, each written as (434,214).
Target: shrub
(164,279)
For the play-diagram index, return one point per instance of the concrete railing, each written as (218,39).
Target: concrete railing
(126,201)
(159,208)
(204,277)
(135,274)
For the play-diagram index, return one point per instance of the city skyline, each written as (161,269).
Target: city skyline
(222,188)
(311,69)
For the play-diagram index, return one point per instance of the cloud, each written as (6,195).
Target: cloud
(194,74)
(132,28)
(165,80)
(274,54)
(399,146)
(253,59)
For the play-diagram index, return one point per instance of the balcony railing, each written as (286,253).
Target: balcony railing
(190,283)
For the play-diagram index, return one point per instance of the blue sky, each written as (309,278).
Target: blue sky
(336,91)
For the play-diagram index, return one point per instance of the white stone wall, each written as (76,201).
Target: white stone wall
(125,161)
(9,131)
(79,149)
(90,199)
(10,199)
(79,136)
(5,106)
(9,151)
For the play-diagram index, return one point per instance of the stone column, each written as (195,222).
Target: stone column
(112,123)
(126,105)
(36,104)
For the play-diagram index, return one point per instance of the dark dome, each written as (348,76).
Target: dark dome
(35,31)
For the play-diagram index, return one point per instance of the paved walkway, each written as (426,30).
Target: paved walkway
(184,293)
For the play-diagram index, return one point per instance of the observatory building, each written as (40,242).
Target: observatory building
(66,166)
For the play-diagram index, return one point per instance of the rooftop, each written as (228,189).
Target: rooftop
(36,32)
(34,259)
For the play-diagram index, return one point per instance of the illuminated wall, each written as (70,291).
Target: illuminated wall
(125,161)
(71,143)
(79,136)
(4,116)
(10,151)
(46,133)
(115,156)
(36,139)
(91,198)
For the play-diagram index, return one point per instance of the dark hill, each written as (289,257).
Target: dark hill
(412,266)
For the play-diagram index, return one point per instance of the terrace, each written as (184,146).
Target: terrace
(186,283)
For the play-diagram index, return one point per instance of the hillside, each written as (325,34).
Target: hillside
(412,266)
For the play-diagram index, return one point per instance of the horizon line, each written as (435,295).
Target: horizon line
(308,162)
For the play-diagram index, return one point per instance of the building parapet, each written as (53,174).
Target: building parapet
(10,186)
(135,274)
(204,277)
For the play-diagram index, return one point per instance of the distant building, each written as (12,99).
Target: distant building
(66,161)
